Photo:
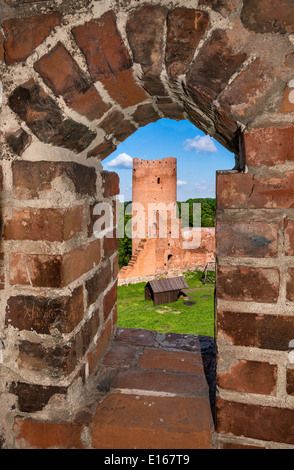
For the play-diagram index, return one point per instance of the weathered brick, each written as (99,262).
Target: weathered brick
(18,141)
(30,179)
(248,284)
(44,224)
(247,88)
(172,111)
(249,377)
(110,183)
(58,361)
(268,16)
(102,150)
(235,445)
(115,123)
(290,285)
(287,106)
(110,246)
(45,119)
(23,35)
(1,47)
(47,435)
(171,360)
(94,356)
(247,420)
(102,46)
(34,397)
(215,65)
(249,239)
(185,28)
(109,301)
(18,273)
(137,337)
(98,283)
(63,75)
(238,190)
(256,330)
(124,89)
(80,260)
(145,31)
(41,314)
(125,421)
(145,114)
(271,146)
(289,238)
(219,5)
(120,355)
(87,333)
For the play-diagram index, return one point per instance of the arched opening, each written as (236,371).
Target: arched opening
(70,96)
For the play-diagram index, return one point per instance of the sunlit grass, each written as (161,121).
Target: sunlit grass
(136,312)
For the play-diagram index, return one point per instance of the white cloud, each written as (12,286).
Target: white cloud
(122,161)
(181,183)
(200,144)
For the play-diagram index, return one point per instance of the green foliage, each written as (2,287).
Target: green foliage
(208,206)
(125,242)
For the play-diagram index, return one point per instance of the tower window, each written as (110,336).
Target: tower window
(158,180)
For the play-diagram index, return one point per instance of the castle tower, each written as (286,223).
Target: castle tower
(154,181)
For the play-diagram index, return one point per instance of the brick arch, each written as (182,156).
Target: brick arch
(78,80)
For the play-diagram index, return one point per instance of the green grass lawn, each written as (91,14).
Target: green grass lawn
(136,312)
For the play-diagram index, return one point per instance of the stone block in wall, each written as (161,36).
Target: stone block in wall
(102,46)
(109,300)
(44,224)
(34,397)
(23,35)
(248,284)
(32,179)
(98,283)
(63,75)
(46,120)
(110,183)
(257,330)
(117,125)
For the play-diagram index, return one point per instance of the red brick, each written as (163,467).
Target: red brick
(1,47)
(120,355)
(249,239)
(102,150)
(18,273)
(249,420)
(94,356)
(145,114)
(33,397)
(256,330)
(18,141)
(23,35)
(44,224)
(137,337)
(172,111)
(145,32)
(115,123)
(109,300)
(247,88)
(31,179)
(33,434)
(127,422)
(124,89)
(46,120)
(248,284)
(98,283)
(290,285)
(290,380)
(270,146)
(63,75)
(289,238)
(79,261)
(110,246)
(219,5)
(185,28)
(57,361)
(215,65)
(268,16)
(238,190)
(102,46)
(27,312)
(110,183)
(249,377)
(171,360)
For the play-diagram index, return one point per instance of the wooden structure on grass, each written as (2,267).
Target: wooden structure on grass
(164,291)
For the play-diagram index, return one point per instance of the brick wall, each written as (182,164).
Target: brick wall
(255,293)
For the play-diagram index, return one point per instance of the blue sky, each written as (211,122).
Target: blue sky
(198,157)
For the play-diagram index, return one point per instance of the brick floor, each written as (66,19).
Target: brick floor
(153,391)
